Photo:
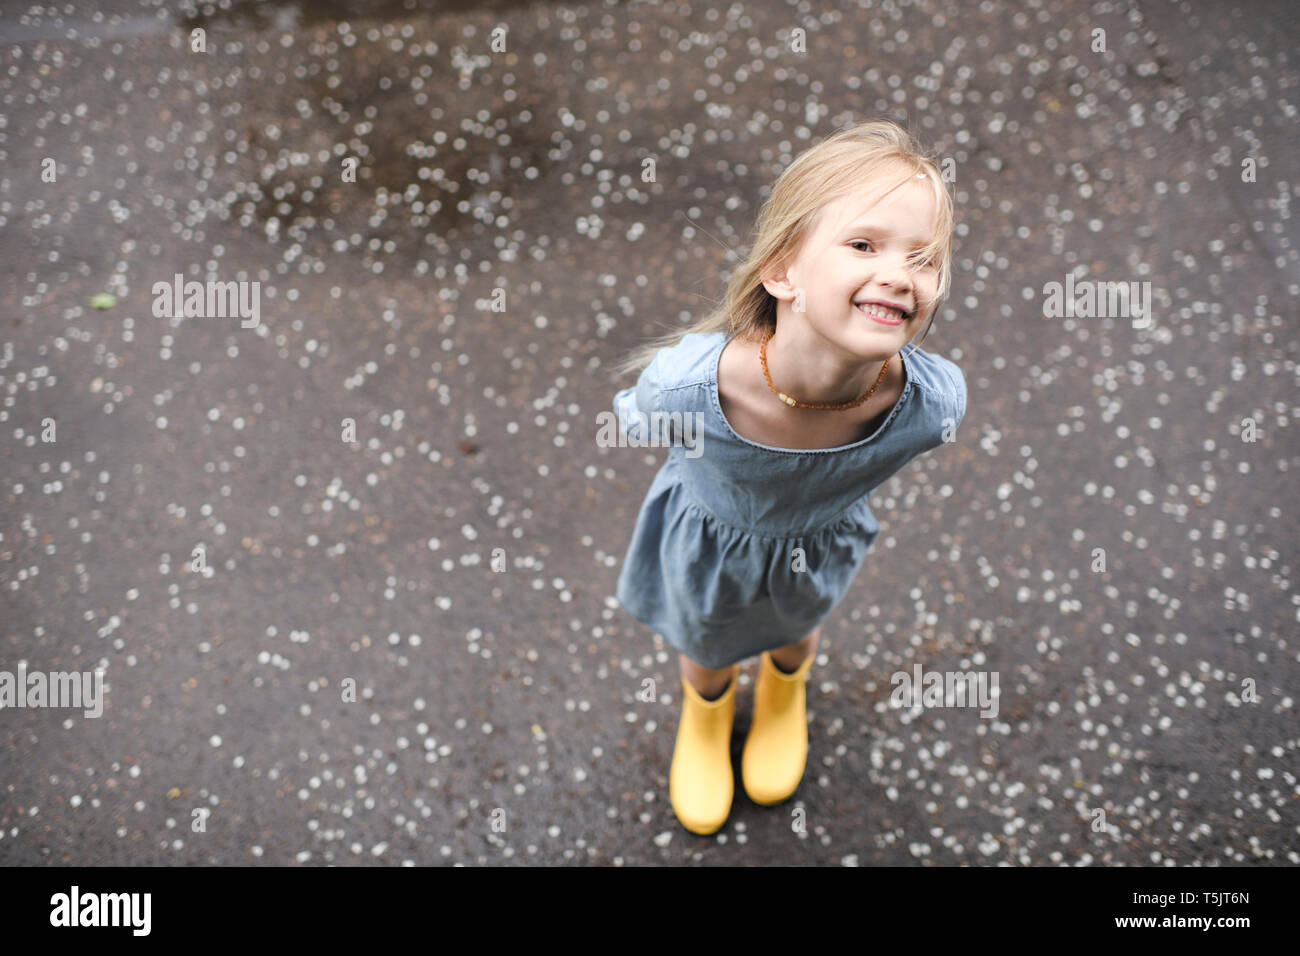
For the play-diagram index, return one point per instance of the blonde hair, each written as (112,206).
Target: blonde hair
(845,162)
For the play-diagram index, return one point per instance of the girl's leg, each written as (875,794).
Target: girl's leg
(710,683)
(789,658)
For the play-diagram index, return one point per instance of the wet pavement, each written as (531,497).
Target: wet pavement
(1147,712)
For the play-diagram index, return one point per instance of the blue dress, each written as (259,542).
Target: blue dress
(739,547)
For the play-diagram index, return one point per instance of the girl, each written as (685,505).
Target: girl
(803,402)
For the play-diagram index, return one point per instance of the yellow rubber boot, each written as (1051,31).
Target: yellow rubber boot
(701,782)
(776,749)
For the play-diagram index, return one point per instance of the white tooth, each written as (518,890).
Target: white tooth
(880,311)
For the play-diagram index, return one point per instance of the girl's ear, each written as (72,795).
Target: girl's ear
(779,287)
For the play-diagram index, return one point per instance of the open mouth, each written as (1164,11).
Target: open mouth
(882,314)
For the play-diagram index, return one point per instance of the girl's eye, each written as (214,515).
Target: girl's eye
(914,261)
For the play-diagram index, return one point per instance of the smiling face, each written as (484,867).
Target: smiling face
(861,250)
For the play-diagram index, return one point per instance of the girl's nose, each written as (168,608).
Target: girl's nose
(895,275)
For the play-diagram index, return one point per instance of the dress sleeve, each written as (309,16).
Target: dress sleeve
(634,404)
(958,393)
(951,407)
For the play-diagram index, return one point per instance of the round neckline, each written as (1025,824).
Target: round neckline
(717,404)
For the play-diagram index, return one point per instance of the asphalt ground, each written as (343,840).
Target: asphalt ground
(1147,711)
